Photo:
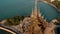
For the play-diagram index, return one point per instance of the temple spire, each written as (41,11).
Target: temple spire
(35,10)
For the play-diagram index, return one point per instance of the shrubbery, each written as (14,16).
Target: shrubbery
(14,20)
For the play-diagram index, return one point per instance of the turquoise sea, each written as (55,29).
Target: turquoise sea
(10,8)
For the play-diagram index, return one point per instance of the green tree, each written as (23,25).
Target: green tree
(14,20)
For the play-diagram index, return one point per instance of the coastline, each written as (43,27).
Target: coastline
(52,5)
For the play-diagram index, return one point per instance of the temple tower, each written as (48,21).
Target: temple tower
(35,11)
(34,17)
